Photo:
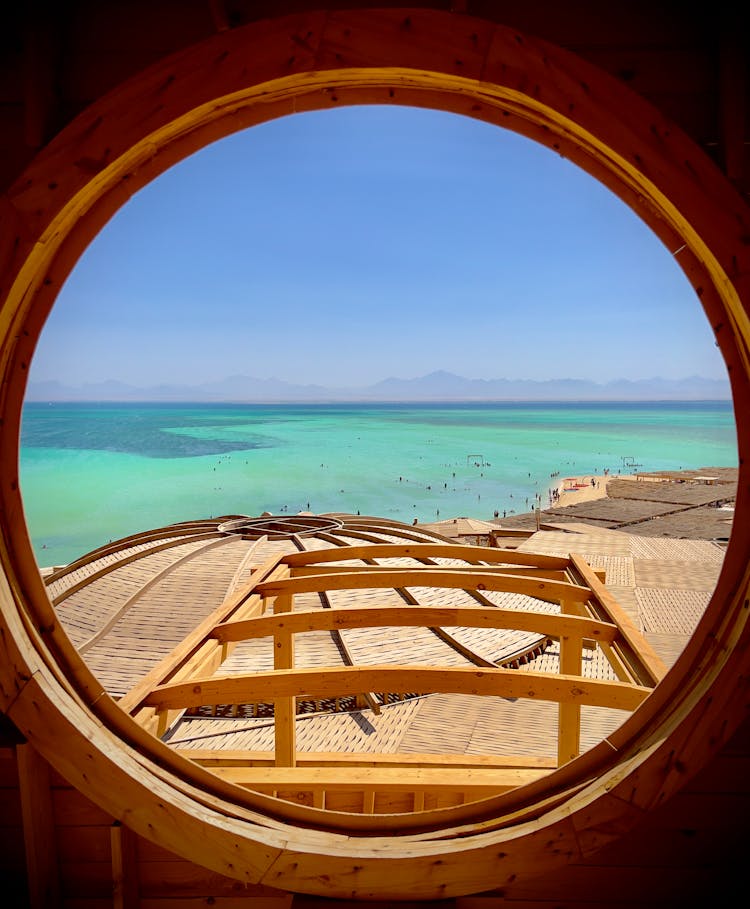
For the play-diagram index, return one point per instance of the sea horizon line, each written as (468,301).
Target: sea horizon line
(364,401)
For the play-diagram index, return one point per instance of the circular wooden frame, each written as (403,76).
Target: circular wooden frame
(313,61)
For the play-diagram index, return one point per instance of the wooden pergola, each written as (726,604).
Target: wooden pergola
(191,677)
(101,98)
(493,613)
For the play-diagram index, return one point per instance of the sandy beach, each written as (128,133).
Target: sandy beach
(684,504)
(573,490)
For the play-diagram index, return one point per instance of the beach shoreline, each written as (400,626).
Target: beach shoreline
(584,488)
(94,473)
(686,504)
(575,490)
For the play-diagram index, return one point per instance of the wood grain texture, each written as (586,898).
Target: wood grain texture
(275,63)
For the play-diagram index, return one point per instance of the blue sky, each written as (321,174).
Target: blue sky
(346,246)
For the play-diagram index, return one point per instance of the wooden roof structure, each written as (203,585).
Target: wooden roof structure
(362,614)
(98,99)
(188,626)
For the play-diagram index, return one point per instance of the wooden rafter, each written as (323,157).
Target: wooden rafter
(190,679)
(382,577)
(416,617)
(328,683)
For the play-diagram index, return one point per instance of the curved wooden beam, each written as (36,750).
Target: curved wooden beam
(141,591)
(414,617)
(279,66)
(189,528)
(548,574)
(477,554)
(381,577)
(325,683)
(214,539)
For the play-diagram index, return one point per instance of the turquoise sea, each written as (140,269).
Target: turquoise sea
(91,472)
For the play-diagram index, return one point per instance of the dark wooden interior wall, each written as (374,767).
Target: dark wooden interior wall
(691,61)
(690,852)
(55,59)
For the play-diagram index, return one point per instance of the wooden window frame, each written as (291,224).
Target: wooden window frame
(313,61)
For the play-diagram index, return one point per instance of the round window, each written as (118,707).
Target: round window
(240,78)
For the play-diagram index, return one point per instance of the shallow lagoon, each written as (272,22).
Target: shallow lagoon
(91,472)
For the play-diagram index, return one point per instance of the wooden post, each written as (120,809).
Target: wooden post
(569,715)
(285,709)
(38,829)
(124,868)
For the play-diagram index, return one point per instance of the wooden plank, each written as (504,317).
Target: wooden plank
(72,809)
(87,902)
(207,658)
(654,669)
(473,554)
(380,779)
(416,616)
(166,878)
(363,578)
(285,709)
(84,844)
(212,758)
(10,815)
(282,901)
(325,683)
(650,166)
(38,829)
(183,531)
(148,719)
(569,714)
(472,656)
(548,574)
(124,868)
(120,786)
(42,75)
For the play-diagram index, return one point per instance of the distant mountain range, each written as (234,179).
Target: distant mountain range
(437,386)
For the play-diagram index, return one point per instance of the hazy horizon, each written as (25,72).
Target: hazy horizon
(437,386)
